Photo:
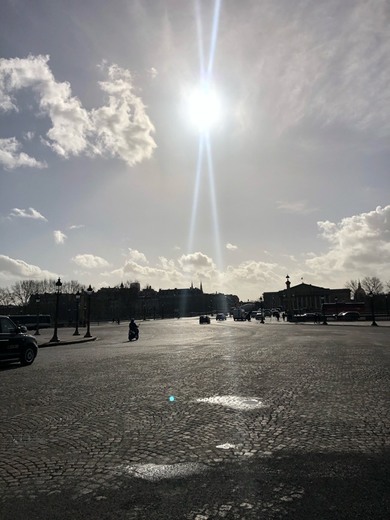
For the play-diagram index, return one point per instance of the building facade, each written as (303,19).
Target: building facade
(304,298)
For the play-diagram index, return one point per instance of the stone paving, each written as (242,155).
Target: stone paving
(228,420)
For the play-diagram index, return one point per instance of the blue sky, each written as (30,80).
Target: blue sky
(104,177)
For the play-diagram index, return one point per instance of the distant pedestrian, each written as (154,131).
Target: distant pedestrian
(283,316)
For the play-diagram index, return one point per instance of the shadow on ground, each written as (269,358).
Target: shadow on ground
(293,486)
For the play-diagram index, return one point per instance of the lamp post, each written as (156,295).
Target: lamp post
(374,323)
(324,320)
(288,283)
(37,300)
(262,310)
(78,296)
(89,293)
(55,339)
(337,308)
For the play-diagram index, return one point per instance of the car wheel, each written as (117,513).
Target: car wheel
(28,356)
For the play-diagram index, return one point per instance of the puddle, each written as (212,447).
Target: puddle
(233,401)
(154,472)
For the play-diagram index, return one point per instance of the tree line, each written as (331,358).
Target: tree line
(20,292)
(369,284)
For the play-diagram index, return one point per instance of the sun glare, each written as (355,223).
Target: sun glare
(204,108)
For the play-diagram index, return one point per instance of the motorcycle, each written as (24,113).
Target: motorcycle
(133,335)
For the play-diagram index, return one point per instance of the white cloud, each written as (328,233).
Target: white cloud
(76,226)
(231,247)
(89,261)
(358,245)
(122,127)
(11,158)
(119,129)
(59,237)
(24,213)
(10,267)
(28,136)
(136,256)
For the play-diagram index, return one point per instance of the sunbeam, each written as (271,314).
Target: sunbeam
(196,194)
(205,109)
(213,200)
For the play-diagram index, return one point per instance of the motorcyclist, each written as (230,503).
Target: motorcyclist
(133,330)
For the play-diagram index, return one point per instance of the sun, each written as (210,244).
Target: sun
(204,107)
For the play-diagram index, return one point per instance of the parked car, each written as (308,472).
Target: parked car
(220,316)
(348,316)
(15,343)
(204,319)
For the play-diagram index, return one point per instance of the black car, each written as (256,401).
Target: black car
(348,316)
(15,344)
(204,319)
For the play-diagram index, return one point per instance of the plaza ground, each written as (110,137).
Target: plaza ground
(230,420)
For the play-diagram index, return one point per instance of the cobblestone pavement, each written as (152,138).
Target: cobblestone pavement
(196,422)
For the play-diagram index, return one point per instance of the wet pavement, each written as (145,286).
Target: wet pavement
(229,420)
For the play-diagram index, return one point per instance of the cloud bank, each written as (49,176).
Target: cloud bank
(11,157)
(18,269)
(89,261)
(357,246)
(119,129)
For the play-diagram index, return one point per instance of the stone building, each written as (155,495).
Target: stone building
(304,298)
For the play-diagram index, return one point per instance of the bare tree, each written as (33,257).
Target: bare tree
(21,292)
(5,296)
(72,287)
(372,284)
(352,285)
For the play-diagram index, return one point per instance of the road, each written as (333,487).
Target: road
(230,420)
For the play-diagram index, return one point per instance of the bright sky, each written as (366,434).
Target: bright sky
(171,142)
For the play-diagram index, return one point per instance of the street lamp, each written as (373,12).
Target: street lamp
(288,283)
(89,293)
(262,310)
(374,323)
(78,296)
(37,300)
(337,308)
(324,320)
(55,339)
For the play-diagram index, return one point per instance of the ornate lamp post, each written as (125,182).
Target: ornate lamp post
(37,300)
(89,293)
(262,310)
(324,320)
(374,323)
(288,283)
(55,339)
(78,296)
